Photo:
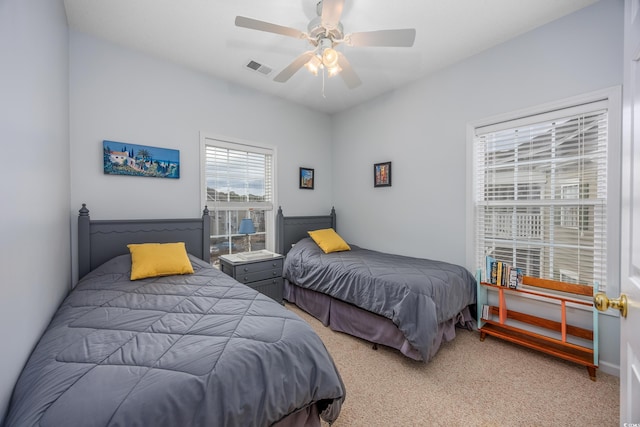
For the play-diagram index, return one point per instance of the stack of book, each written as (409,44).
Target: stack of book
(502,274)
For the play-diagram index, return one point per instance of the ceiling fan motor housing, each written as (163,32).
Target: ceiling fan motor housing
(317,31)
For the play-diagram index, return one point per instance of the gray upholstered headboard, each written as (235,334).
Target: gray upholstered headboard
(99,241)
(290,229)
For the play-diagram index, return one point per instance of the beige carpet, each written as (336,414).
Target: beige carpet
(468,383)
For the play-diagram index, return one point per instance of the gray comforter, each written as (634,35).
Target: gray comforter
(415,294)
(192,350)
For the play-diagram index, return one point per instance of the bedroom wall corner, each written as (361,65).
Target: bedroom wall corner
(34,130)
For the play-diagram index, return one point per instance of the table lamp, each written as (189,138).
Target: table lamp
(246,228)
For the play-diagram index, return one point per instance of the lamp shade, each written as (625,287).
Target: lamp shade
(246,226)
(329,57)
(313,65)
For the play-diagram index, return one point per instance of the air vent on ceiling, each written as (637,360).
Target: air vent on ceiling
(261,68)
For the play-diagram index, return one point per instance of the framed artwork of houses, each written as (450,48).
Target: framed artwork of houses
(121,158)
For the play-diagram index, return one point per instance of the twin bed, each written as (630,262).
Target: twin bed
(173,350)
(202,349)
(410,304)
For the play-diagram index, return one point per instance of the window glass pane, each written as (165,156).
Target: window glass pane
(237,176)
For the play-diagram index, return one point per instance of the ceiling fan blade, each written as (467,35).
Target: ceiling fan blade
(254,24)
(331,12)
(292,68)
(383,38)
(348,75)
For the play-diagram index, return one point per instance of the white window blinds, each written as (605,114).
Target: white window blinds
(540,194)
(238,178)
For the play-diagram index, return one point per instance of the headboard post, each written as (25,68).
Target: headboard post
(206,233)
(84,241)
(280,231)
(333,218)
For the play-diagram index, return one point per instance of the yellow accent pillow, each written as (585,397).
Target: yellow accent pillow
(329,241)
(159,259)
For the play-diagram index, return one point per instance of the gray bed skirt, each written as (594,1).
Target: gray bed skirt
(305,417)
(347,318)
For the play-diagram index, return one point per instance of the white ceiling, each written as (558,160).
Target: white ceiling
(201,34)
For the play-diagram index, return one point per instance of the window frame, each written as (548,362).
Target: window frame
(240,145)
(612,97)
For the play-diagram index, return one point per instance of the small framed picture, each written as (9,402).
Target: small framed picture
(306,178)
(382,174)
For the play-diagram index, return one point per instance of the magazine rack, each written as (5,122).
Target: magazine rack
(503,323)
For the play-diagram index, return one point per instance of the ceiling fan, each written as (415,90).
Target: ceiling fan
(324,33)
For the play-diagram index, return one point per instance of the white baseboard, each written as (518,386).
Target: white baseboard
(609,368)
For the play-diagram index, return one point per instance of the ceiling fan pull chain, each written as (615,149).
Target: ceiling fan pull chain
(323,68)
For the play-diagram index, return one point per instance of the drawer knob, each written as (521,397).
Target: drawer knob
(246,269)
(275,273)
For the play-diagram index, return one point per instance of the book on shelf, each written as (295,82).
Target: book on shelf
(485,311)
(502,273)
(489,272)
(515,278)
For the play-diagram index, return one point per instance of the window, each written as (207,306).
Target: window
(540,193)
(237,184)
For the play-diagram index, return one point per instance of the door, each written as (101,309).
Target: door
(630,251)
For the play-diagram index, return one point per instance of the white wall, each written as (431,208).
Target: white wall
(422,130)
(121,95)
(34,136)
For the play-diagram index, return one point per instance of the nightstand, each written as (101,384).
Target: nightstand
(260,270)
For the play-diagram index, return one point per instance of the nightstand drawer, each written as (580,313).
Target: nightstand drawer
(255,276)
(271,264)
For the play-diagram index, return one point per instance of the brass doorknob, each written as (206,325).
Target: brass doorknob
(602,302)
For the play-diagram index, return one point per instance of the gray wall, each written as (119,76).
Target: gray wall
(121,95)
(422,130)
(34,136)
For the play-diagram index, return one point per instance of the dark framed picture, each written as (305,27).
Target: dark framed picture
(306,178)
(382,174)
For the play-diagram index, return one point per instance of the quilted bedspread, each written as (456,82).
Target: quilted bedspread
(192,350)
(415,294)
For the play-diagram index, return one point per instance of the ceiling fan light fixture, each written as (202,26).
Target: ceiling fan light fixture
(313,65)
(329,57)
(334,71)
